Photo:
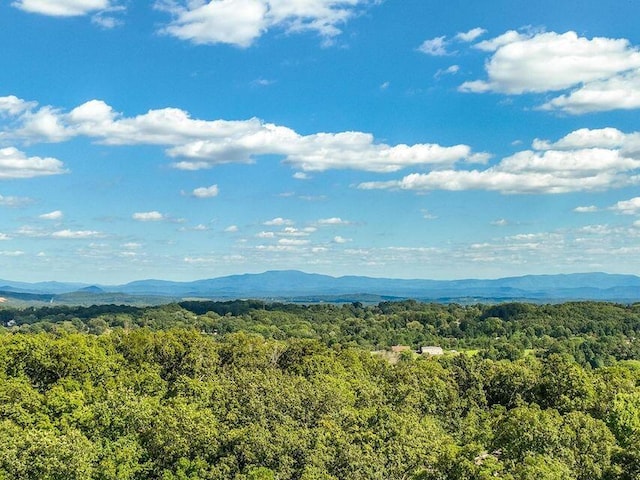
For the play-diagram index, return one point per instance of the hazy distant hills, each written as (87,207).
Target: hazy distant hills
(292,285)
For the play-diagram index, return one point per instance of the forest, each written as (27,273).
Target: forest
(256,390)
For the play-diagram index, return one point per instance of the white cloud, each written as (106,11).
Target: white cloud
(45,124)
(628,207)
(153,216)
(550,61)
(292,242)
(628,144)
(12,105)
(55,215)
(15,253)
(316,152)
(452,70)
(62,8)
(206,192)
(236,22)
(201,227)
(76,234)
(296,232)
(581,163)
(16,164)
(340,240)
(506,38)
(278,221)
(4,236)
(502,222)
(471,35)
(604,72)
(28,231)
(241,22)
(496,179)
(436,47)
(586,209)
(332,221)
(107,19)
(385,85)
(14,202)
(301,176)
(199,144)
(547,170)
(231,229)
(621,92)
(585,138)
(358,151)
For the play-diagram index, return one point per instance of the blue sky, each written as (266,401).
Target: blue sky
(412,139)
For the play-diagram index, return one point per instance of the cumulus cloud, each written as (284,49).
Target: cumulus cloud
(153,216)
(316,152)
(436,47)
(55,215)
(206,192)
(63,8)
(292,242)
(506,38)
(198,144)
(471,35)
(278,221)
(340,240)
(628,144)
(604,73)
(581,166)
(586,209)
(76,234)
(241,22)
(232,229)
(628,207)
(12,105)
(16,164)
(585,138)
(296,232)
(621,92)
(290,232)
(358,151)
(332,221)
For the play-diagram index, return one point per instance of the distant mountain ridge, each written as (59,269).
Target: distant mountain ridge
(293,284)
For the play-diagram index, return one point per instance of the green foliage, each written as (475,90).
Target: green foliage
(247,390)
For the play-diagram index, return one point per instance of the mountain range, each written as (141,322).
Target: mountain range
(293,285)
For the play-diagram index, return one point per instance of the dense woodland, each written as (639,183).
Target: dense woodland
(251,390)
